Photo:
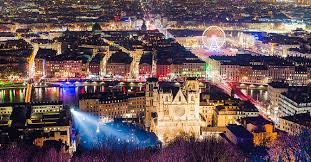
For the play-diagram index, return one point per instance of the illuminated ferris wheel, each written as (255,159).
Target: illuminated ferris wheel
(213,38)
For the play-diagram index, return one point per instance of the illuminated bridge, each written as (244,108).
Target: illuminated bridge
(28,93)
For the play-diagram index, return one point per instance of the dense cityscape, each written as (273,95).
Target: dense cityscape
(155,80)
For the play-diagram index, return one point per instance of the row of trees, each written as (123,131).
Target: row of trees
(291,148)
(182,149)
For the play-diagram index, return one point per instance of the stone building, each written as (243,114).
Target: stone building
(172,109)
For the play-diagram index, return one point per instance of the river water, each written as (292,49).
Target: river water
(70,95)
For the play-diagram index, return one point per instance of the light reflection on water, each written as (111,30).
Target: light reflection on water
(257,94)
(12,95)
(69,95)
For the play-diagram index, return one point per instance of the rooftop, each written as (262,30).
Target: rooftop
(258,121)
(302,119)
(299,94)
(239,131)
(108,96)
(278,84)
(152,79)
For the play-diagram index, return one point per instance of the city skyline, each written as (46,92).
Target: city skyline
(155,80)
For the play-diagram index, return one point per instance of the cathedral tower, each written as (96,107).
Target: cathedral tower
(152,88)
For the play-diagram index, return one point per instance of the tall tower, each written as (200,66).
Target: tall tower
(192,84)
(193,90)
(154,63)
(152,89)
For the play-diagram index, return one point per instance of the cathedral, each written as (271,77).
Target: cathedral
(172,108)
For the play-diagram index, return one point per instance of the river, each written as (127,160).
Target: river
(70,95)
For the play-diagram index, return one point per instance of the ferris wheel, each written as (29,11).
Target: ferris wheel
(213,38)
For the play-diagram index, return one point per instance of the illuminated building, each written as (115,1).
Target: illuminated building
(274,91)
(246,68)
(214,70)
(164,71)
(227,114)
(119,64)
(296,100)
(45,121)
(259,74)
(40,61)
(118,69)
(145,70)
(281,72)
(294,53)
(43,117)
(136,104)
(5,36)
(246,41)
(230,113)
(94,67)
(206,113)
(14,56)
(55,133)
(245,73)
(66,68)
(104,105)
(172,109)
(301,76)
(230,72)
(40,67)
(190,42)
(303,2)
(295,124)
(212,132)
(190,68)
(262,130)
(108,105)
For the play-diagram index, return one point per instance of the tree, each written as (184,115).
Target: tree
(290,148)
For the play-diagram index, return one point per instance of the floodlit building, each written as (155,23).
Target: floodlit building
(230,113)
(172,109)
(262,130)
(44,121)
(296,100)
(112,105)
(274,91)
(295,124)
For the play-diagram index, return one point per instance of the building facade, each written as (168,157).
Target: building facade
(296,100)
(295,124)
(274,91)
(108,105)
(171,111)
(44,121)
